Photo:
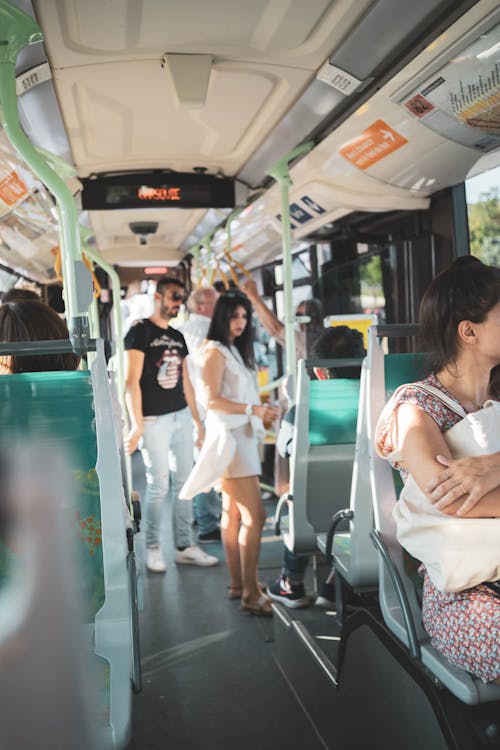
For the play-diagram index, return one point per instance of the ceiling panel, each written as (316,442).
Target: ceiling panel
(126,115)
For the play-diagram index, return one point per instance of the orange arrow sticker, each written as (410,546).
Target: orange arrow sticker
(372,144)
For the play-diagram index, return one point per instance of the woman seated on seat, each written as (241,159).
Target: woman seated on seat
(230,453)
(460,319)
(29,320)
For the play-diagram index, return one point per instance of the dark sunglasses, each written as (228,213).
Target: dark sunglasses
(178,296)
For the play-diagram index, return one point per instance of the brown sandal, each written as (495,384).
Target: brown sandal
(260,608)
(235,592)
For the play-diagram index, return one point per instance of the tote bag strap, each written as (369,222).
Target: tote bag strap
(443,397)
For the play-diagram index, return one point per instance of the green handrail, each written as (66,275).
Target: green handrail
(232,216)
(280,172)
(17,30)
(92,253)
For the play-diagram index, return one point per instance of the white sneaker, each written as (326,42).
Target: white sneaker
(154,560)
(193,555)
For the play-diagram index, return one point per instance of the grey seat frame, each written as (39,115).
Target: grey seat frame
(358,566)
(320,476)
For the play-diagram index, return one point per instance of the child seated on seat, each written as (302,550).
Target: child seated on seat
(339,342)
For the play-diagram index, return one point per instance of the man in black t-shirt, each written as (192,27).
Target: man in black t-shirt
(158,397)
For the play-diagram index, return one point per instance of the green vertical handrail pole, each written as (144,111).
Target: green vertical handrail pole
(92,253)
(196,254)
(16,31)
(232,216)
(206,242)
(116,312)
(280,172)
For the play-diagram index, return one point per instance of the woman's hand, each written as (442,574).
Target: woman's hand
(200,435)
(468,478)
(266,412)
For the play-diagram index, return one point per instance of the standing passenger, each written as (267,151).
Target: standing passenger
(157,400)
(230,452)
(201,304)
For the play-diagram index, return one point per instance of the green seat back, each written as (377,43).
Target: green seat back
(403,368)
(56,408)
(333,411)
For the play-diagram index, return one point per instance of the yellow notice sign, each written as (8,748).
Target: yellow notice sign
(373,144)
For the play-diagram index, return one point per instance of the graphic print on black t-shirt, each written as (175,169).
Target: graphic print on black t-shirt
(161,379)
(169,369)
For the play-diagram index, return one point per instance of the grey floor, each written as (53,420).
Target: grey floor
(211,675)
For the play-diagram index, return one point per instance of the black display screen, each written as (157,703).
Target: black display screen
(156,190)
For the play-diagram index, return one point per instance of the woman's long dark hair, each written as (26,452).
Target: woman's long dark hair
(467,290)
(219,325)
(28,320)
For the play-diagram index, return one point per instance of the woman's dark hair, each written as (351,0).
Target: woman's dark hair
(14,294)
(467,290)
(219,325)
(340,342)
(28,320)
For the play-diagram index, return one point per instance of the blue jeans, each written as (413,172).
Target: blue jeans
(207,509)
(167,452)
(294,566)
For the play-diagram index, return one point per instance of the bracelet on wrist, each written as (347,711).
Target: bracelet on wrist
(249,410)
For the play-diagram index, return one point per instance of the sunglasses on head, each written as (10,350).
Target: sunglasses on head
(235,294)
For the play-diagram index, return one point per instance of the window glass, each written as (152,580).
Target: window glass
(483,209)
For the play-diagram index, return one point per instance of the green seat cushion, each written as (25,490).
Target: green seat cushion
(342,542)
(333,411)
(57,409)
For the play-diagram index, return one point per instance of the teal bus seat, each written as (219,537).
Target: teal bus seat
(404,618)
(403,368)
(74,410)
(57,408)
(322,454)
(333,411)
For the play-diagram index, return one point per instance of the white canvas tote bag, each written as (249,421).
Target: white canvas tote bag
(458,552)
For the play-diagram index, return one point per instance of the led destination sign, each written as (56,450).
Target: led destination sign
(156,189)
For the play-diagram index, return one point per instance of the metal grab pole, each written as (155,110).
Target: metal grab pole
(16,31)
(281,174)
(117,318)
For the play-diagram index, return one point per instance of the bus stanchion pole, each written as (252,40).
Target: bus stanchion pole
(281,173)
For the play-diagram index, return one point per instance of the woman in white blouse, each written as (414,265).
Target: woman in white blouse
(230,454)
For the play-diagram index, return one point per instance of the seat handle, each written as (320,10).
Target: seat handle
(279,510)
(341,515)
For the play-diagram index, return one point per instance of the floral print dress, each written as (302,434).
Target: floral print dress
(463,626)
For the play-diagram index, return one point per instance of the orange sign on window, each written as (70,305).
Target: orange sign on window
(372,144)
(12,189)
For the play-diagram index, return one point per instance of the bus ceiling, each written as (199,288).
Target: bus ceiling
(140,88)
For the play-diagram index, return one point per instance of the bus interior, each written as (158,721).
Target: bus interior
(321,150)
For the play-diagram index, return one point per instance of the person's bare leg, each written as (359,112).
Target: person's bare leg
(230,527)
(245,491)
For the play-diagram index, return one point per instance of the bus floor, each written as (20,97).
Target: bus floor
(212,676)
